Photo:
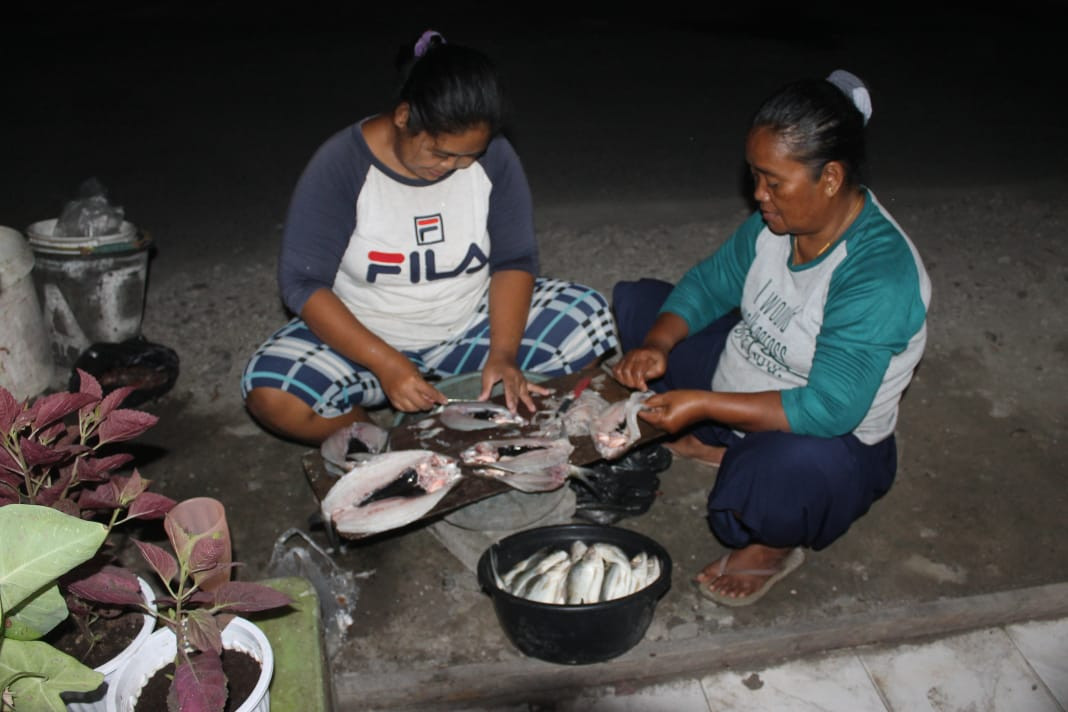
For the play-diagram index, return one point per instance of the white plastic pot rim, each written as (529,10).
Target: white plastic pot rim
(241,634)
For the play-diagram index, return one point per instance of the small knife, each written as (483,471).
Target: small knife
(569,399)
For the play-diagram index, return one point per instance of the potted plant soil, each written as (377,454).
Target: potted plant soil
(199,659)
(61,452)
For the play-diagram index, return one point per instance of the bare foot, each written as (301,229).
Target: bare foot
(690,448)
(742,572)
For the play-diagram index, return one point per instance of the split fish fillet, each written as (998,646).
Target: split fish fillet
(478,416)
(389,490)
(525,464)
(349,445)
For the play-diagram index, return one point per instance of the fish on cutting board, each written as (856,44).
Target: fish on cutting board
(389,490)
(526,464)
(615,429)
(343,449)
(478,415)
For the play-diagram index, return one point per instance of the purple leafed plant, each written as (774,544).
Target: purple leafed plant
(201,599)
(55,452)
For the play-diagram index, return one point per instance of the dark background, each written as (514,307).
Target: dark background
(211,112)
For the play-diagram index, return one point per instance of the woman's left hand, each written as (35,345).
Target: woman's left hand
(674,410)
(517,388)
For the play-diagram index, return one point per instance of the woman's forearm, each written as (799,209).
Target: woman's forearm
(750,412)
(509,304)
(667,331)
(331,321)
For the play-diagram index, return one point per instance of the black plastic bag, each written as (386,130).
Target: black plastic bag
(610,490)
(150,368)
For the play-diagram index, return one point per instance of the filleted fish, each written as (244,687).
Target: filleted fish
(579,418)
(526,464)
(346,447)
(478,415)
(615,429)
(583,574)
(389,490)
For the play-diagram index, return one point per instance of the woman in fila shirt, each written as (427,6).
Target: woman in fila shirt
(782,357)
(409,251)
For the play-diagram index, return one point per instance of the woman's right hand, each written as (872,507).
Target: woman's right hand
(639,365)
(406,388)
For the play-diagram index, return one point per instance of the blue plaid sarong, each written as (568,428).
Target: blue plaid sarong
(569,325)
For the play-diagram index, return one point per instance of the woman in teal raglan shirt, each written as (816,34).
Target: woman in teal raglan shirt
(782,357)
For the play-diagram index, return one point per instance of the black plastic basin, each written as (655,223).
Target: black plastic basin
(573,634)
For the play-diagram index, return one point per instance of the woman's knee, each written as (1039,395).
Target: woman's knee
(636,305)
(276,408)
(789,490)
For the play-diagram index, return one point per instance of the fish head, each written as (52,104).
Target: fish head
(436,471)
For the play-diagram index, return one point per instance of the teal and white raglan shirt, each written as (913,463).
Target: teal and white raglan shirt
(839,336)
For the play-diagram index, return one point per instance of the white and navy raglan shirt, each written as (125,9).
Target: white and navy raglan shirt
(410,258)
(839,336)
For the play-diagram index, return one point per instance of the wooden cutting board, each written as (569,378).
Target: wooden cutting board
(474,487)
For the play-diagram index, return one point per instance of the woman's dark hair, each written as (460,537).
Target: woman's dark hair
(449,88)
(818,123)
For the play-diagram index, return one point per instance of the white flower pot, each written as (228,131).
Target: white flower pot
(160,650)
(94,701)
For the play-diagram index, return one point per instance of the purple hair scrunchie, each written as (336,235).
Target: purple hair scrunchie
(423,43)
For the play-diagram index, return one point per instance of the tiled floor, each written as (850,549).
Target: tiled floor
(1016,668)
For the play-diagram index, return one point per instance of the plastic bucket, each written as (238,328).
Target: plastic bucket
(91,289)
(26,366)
(573,634)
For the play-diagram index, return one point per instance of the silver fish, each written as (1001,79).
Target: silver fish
(611,553)
(618,581)
(522,566)
(586,578)
(522,583)
(616,429)
(592,573)
(578,549)
(550,586)
(638,571)
(389,490)
(344,448)
(476,415)
(652,569)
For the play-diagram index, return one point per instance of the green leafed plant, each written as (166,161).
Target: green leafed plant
(59,452)
(39,545)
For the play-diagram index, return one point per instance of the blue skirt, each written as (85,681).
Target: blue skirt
(774,488)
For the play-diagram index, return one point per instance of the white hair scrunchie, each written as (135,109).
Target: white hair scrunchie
(854,88)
